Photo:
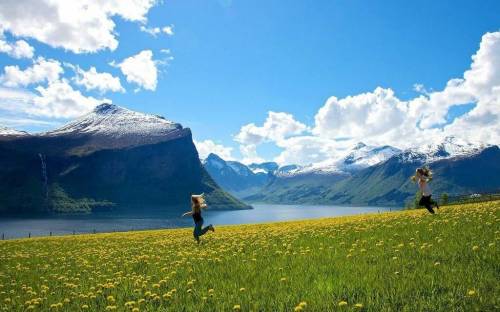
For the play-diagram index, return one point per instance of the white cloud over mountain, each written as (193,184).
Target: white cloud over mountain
(208,146)
(56,100)
(381,118)
(93,80)
(79,26)
(140,69)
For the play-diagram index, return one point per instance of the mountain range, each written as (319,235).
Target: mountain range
(369,175)
(112,158)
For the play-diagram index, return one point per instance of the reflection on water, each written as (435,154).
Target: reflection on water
(64,225)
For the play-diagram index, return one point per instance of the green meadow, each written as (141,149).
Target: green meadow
(400,261)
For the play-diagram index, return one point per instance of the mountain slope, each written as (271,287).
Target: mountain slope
(458,171)
(112,158)
(235,177)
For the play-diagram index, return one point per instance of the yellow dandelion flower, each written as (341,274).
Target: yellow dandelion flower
(237,307)
(471,293)
(358,305)
(342,303)
(298,309)
(85,306)
(242,289)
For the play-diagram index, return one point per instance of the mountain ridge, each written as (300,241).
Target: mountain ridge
(105,160)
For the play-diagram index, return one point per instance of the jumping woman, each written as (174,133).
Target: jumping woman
(197,204)
(422,177)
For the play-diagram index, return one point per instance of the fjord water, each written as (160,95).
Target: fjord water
(66,225)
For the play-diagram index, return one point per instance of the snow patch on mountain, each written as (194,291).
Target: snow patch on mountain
(450,147)
(116,121)
(266,167)
(5,131)
(359,157)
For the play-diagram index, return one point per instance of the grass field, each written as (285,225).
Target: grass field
(399,261)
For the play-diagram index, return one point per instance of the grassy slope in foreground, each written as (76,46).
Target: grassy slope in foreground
(402,261)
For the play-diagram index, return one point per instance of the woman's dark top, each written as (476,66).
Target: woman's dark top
(197,217)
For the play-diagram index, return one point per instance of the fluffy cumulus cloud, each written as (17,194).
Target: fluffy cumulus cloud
(42,70)
(361,115)
(276,128)
(141,69)
(208,146)
(18,49)
(78,26)
(93,80)
(56,100)
(249,153)
(379,117)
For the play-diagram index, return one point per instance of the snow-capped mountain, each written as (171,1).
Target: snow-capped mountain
(115,121)
(266,167)
(359,157)
(450,147)
(111,157)
(5,131)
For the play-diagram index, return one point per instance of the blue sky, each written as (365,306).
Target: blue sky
(233,61)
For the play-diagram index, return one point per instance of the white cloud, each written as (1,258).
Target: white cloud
(42,70)
(381,118)
(277,126)
(140,69)
(168,30)
(19,49)
(79,26)
(57,100)
(154,31)
(249,153)
(208,146)
(361,115)
(93,80)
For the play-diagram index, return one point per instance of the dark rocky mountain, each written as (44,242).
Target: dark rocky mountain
(111,158)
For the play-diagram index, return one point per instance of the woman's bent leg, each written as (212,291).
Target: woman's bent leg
(205,229)
(428,203)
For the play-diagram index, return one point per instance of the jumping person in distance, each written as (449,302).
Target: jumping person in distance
(197,204)
(422,177)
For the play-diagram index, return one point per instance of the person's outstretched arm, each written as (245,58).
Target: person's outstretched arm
(189,213)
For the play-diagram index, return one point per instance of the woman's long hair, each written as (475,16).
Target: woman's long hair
(424,172)
(198,202)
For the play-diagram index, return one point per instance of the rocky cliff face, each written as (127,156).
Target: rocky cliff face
(112,158)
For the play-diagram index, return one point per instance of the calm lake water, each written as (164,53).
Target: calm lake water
(64,225)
